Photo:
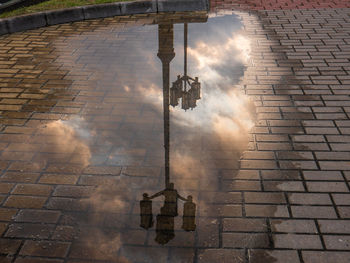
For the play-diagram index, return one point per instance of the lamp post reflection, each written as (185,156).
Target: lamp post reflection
(179,87)
(165,219)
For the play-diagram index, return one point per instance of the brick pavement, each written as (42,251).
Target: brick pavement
(276,4)
(80,142)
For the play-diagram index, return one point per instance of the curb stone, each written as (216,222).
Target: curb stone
(64,16)
(139,7)
(100,11)
(54,17)
(21,23)
(182,5)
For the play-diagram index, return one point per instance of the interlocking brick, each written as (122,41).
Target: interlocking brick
(65,233)
(58,179)
(261,255)
(73,191)
(323,175)
(36,260)
(293,226)
(327,187)
(337,242)
(341,199)
(258,197)
(37,216)
(9,246)
(244,225)
(224,255)
(283,186)
(44,248)
(326,256)
(60,203)
(344,212)
(32,189)
(313,212)
(296,241)
(25,201)
(243,240)
(266,210)
(334,226)
(5,187)
(309,199)
(28,230)
(19,177)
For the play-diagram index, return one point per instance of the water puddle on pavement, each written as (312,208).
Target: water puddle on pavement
(158,124)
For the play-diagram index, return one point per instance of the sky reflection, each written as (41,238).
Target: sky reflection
(125,128)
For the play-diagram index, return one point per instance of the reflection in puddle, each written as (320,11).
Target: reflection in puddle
(199,144)
(68,136)
(123,74)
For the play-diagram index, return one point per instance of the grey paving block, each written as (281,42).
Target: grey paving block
(139,7)
(64,16)
(98,11)
(3,27)
(182,5)
(21,23)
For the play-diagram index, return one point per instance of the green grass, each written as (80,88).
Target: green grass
(54,4)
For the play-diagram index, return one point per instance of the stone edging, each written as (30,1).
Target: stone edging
(49,18)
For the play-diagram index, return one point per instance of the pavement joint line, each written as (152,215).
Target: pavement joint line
(74,14)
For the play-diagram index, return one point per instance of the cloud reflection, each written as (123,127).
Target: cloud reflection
(221,120)
(70,136)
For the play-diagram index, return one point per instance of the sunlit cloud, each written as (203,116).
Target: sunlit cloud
(68,137)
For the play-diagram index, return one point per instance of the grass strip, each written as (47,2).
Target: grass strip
(52,5)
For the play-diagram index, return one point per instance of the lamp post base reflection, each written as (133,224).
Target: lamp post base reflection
(165,220)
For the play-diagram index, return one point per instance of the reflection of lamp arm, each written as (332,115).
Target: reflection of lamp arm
(157,194)
(182,198)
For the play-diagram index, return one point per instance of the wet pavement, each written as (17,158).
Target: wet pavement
(185,137)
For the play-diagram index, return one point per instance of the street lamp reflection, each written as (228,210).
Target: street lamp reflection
(179,87)
(187,89)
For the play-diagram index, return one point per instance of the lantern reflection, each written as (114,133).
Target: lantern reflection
(179,89)
(187,89)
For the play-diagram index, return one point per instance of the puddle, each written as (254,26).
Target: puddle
(172,137)
(154,155)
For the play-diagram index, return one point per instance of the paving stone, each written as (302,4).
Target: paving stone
(32,189)
(243,240)
(9,246)
(293,226)
(313,211)
(341,199)
(58,179)
(323,175)
(37,216)
(25,202)
(327,187)
(256,197)
(36,259)
(27,230)
(266,210)
(313,256)
(19,177)
(44,248)
(295,241)
(344,211)
(244,225)
(309,199)
(260,256)
(210,255)
(73,191)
